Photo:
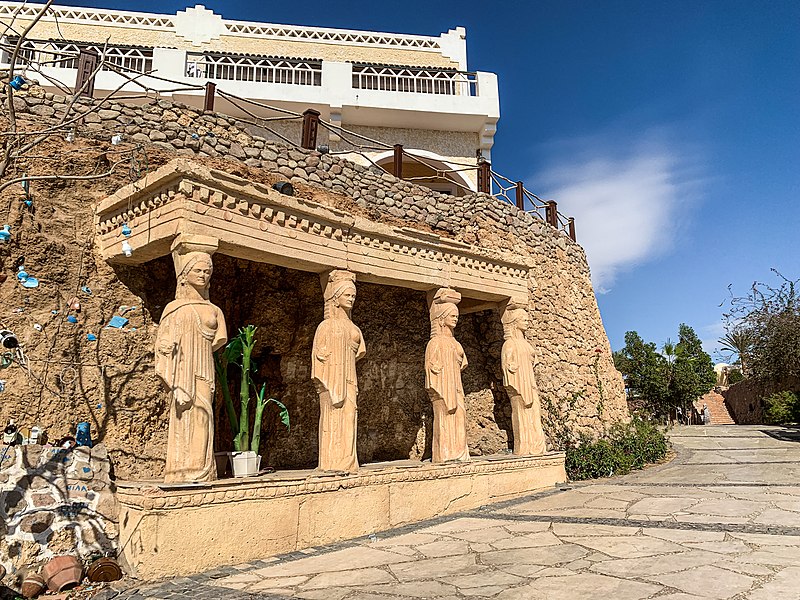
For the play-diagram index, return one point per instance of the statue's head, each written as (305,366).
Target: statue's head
(444,310)
(340,292)
(515,317)
(194,271)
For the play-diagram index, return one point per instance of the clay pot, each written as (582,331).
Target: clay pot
(32,585)
(104,569)
(62,573)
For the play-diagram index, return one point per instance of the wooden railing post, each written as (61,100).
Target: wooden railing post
(551,213)
(87,63)
(520,195)
(211,89)
(310,126)
(572,229)
(485,177)
(398,161)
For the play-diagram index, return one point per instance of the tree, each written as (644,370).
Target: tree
(677,376)
(644,371)
(770,317)
(692,372)
(737,341)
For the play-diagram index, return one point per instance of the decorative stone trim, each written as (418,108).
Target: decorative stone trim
(255,222)
(278,485)
(92,16)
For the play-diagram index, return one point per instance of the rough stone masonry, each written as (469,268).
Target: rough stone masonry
(110,382)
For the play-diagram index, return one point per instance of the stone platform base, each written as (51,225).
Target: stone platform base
(169,530)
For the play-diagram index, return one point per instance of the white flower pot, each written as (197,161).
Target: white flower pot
(245,464)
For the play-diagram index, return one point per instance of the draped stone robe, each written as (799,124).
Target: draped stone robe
(520,383)
(338,344)
(190,330)
(444,361)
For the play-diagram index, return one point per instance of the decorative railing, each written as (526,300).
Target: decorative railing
(65,54)
(66,14)
(413,79)
(254,68)
(331,35)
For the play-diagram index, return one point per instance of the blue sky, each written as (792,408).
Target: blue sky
(669,129)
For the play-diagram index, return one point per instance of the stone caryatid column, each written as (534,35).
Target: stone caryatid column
(191,329)
(338,344)
(444,361)
(519,381)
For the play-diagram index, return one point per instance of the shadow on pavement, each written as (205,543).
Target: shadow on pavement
(788,433)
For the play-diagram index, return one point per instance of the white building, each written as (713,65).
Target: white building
(396,89)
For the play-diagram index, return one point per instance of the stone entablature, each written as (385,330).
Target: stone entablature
(254,222)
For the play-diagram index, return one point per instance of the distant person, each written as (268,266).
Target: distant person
(679,415)
(706,415)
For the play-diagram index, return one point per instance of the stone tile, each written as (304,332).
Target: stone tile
(654,565)
(278,582)
(487,578)
(465,524)
(555,572)
(627,546)
(708,580)
(661,506)
(785,586)
(351,577)
(528,541)
(792,505)
(435,567)
(776,516)
(485,536)
(528,526)
(747,569)
(772,555)
(705,519)
(443,548)
(333,561)
(763,539)
(729,547)
(523,570)
(406,539)
(416,589)
(728,508)
(605,502)
(404,550)
(326,594)
(684,535)
(480,548)
(547,556)
(680,596)
(483,592)
(236,582)
(580,529)
(578,565)
(580,587)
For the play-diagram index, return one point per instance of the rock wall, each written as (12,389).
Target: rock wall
(54,501)
(111,383)
(745,399)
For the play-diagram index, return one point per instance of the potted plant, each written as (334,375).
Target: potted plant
(245,460)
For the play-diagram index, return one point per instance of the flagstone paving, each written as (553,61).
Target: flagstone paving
(720,521)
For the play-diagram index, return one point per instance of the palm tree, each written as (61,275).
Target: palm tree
(738,340)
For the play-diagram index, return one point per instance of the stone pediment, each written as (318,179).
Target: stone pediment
(254,222)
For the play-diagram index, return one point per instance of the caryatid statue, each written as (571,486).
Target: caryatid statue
(191,329)
(444,361)
(338,344)
(520,382)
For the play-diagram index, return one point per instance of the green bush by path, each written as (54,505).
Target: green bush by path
(626,447)
(780,408)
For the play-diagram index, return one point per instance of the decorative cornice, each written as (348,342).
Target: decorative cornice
(148,496)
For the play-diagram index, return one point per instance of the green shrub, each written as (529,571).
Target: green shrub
(735,376)
(783,407)
(626,447)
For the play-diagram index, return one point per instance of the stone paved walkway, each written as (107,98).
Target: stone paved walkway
(720,521)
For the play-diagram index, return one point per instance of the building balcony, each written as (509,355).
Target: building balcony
(345,93)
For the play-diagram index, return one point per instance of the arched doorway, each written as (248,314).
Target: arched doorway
(432,171)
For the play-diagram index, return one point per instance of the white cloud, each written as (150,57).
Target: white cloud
(626,204)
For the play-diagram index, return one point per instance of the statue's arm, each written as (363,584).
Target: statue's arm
(221,337)
(511,366)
